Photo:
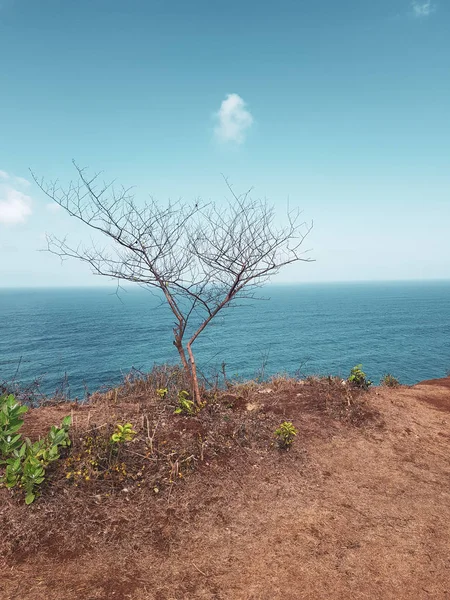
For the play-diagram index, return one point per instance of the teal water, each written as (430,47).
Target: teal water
(94,337)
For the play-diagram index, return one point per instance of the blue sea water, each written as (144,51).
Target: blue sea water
(95,337)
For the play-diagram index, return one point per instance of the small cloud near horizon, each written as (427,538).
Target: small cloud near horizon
(233,120)
(15,206)
(423,9)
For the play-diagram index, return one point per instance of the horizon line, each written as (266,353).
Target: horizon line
(270,283)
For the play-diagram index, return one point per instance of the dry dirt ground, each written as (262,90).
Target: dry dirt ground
(349,513)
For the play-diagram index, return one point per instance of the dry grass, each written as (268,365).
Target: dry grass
(207,506)
(95,478)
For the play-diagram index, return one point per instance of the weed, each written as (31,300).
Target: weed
(185,406)
(389,380)
(358,378)
(162,392)
(123,433)
(100,458)
(285,434)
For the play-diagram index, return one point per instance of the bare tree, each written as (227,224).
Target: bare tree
(201,256)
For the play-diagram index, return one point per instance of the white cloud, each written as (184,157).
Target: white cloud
(233,120)
(52,207)
(422,9)
(21,181)
(15,206)
(12,178)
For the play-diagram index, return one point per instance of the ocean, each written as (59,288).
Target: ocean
(93,337)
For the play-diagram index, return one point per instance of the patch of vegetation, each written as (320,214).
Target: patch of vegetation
(389,380)
(185,406)
(358,378)
(123,433)
(285,435)
(101,456)
(25,462)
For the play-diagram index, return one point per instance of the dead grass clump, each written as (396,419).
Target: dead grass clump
(103,492)
(142,387)
(323,396)
(343,401)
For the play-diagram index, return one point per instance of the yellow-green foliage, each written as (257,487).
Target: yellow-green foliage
(185,406)
(358,378)
(99,458)
(123,433)
(285,434)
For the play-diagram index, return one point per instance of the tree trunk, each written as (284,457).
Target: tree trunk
(197,396)
(182,354)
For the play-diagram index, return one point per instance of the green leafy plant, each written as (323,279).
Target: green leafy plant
(59,436)
(162,392)
(285,434)
(389,380)
(27,469)
(185,405)
(123,433)
(358,378)
(10,423)
(25,461)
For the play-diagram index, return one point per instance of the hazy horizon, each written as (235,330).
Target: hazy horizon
(126,287)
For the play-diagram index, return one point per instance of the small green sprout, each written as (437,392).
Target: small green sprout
(123,433)
(285,434)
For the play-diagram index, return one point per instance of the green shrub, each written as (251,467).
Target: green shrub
(26,462)
(185,405)
(285,434)
(10,423)
(358,378)
(389,380)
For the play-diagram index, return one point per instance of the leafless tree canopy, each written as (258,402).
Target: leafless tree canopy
(202,256)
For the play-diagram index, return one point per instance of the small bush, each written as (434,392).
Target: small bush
(358,378)
(285,434)
(26,462)
(185,405)
(389,380)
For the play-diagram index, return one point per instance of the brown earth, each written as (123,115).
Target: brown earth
(359,508)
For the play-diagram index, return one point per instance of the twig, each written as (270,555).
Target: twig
(151,437)
(199,570)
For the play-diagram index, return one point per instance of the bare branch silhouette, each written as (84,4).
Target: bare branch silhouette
(201,256)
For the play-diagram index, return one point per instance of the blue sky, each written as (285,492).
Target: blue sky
(344,107)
